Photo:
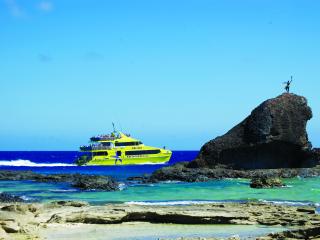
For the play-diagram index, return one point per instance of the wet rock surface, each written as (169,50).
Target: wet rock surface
(311,232)
(266,182)
(6,198)
(80,181)
(94,182)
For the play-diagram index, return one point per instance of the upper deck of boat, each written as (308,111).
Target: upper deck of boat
(110,137)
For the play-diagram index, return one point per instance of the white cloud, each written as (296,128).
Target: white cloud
(45,6)
(14,8)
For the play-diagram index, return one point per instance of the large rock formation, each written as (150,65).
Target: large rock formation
(272,140)
(273,136)
(316,155)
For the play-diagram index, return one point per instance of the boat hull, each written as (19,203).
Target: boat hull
(136,160)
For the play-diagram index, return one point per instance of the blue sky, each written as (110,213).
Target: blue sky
(171,72)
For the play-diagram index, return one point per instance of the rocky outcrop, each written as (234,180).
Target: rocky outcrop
(143,178)
(311,232)
(266,182)
(10,227)
(273,136)
(94,182)
(69,204)
(181,172)
(272,140)
(7,198)
(316,155)
(81,181)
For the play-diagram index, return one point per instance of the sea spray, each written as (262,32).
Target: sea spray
(28,163)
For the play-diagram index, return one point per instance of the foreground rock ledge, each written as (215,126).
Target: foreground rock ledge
(29,219)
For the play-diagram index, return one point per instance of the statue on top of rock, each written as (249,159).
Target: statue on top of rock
(288,84)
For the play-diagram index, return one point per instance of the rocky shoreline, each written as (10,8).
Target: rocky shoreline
(181,172)
(177,172)
(34,221)
(80,181)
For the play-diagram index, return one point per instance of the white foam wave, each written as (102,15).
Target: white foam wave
(28,163)
(171,181)
(122,186)
(25,198)
(151,163)
(63,190)
(292,203)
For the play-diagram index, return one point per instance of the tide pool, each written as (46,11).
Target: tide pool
(148,231)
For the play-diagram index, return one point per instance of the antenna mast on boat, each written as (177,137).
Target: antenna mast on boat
(114,129)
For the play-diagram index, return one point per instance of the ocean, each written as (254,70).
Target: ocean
(299,191)
(50,162)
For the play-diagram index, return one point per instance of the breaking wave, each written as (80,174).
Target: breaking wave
(28,163)
(292,203)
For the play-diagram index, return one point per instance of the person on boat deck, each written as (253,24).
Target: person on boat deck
(118,157)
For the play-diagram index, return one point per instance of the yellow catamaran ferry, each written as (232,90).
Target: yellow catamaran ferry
(118,148)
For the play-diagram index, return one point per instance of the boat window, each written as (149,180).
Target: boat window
(94,139)
(143,152)
(106,144)
(124,144)
(100,153)
(85,148)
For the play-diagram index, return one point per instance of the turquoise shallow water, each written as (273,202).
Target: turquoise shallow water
(299,190)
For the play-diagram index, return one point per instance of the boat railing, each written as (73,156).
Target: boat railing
(103,138)
(93,147)
(101,147)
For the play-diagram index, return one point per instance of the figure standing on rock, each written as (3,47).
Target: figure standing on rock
(287,87)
